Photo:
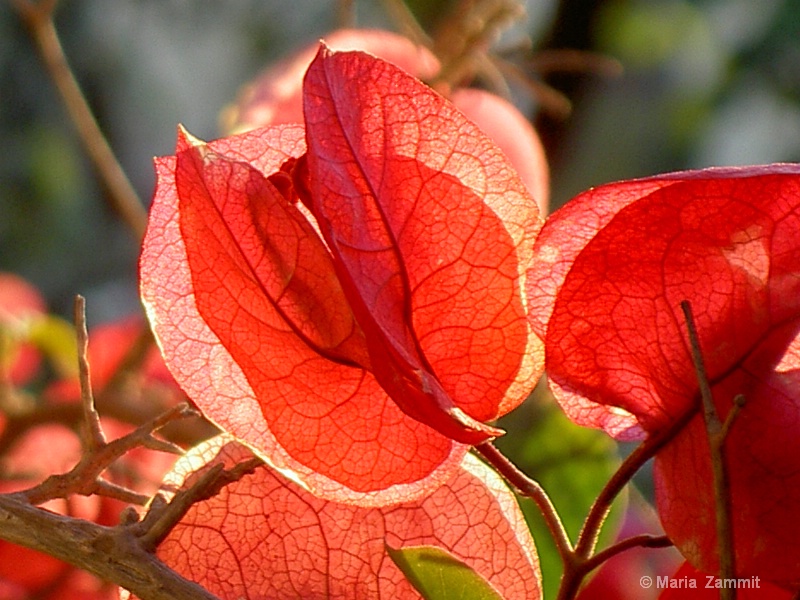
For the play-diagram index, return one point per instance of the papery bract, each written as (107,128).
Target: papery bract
(275,97)
(432,248)
(282,338)
(614,266)
(265,537)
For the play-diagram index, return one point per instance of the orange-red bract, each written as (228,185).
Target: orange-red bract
(285,339)
(275,97)
(613,267)
(266,537)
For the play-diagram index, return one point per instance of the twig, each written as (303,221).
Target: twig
(93,437)
(575,61)
(587,539)
(38,16)
(108,489)
(406,22)
(582,562)
(345,13)
(644,540)
(530,489)
(550,99)
(84,478)
(162,517)
(123,554)
(716,433)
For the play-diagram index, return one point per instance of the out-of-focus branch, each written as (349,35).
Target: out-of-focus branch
(38,16)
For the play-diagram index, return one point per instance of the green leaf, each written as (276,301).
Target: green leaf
(438,575)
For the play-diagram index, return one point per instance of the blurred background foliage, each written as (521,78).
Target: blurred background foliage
(704,82)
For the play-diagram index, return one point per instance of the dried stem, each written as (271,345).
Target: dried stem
(575,61)
(162,517)
(716,432)
(550,99)
(345,14)
(122,554)
(93,437)
(400,13)
(38,16)
(84,478)
(111,553)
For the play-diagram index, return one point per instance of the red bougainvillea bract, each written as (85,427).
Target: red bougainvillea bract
(347,296)
(612,269)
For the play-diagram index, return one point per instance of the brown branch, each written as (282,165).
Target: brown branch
(123,554)
(111,553)
(587,539)
(570,60)
(716,432)
(550,99)
(583,561)
(406,22)
(38,16)
(108,489)
(345,14)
